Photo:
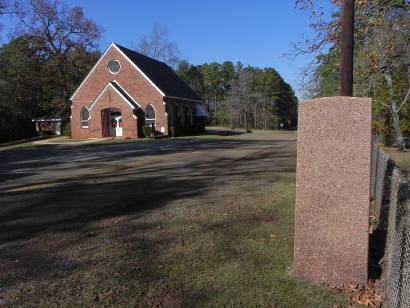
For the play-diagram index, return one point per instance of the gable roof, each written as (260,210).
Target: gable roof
(124,95)
(160,75)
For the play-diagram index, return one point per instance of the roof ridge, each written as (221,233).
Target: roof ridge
(159,74)
(139,54)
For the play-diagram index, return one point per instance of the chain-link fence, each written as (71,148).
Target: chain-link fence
(392,203)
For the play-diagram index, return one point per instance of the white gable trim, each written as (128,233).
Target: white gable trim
(138,69)
(99,95)
(126,93)
(119,93)
(92,70)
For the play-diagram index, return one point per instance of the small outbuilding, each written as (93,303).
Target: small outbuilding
(125,91)
(48,125)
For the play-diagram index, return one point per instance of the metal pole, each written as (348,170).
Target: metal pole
(346,80)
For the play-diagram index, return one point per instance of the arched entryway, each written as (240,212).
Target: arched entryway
(111,122)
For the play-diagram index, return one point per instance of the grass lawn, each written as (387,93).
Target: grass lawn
(402,159)
(213,132)
(230,246)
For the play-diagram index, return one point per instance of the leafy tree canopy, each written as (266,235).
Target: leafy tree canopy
(238,96)
(381,65)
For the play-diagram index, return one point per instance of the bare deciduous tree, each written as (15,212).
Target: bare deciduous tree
(158,47)
(6,7)
(387,64)
(382,49)
(265,102)
(242,90)
(55,27)
(3,6)
(384,52)
(59,33)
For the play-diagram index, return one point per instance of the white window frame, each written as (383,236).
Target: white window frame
(108,66)
(81,117)
(150,119)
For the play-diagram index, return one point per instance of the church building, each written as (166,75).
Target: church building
(125,91)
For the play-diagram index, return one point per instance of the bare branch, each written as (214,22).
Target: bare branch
(158,47)
(384,104)
(406,98)
(56,28)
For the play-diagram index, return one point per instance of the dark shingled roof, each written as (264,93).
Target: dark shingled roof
(161,75)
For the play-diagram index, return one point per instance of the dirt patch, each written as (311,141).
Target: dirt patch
(266,218)
(161,295)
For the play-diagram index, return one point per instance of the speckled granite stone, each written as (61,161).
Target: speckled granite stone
(332,190)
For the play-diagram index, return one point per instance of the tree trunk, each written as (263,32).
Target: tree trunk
(256,106)
(216,117)
(246,119)
(231,115)
(397,129)
(266,114)
(394,112)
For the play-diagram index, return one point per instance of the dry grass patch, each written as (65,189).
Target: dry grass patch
(231,245)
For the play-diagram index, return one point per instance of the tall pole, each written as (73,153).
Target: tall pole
(346,80)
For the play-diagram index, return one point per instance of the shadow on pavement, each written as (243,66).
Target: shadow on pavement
(72,206)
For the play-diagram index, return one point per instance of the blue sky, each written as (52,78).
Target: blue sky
(257,32)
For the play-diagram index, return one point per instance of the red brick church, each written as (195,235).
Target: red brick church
(126,90)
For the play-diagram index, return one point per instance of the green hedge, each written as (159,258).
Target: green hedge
(173,131)
(67,130)
(147,131)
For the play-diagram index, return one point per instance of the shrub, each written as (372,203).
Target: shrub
(67,130)
(173,131)
(147,131)
(389,137)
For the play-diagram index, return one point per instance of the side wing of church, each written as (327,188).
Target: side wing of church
(126,90)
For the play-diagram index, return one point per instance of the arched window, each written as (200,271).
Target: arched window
(84,116)
(149,115)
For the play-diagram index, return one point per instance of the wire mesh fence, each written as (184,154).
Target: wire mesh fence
(392,202)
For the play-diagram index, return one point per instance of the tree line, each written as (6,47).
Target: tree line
(238,96)
(53,46)
(381,59)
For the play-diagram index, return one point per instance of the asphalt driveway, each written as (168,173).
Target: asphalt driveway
(53,185)
(204,221)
